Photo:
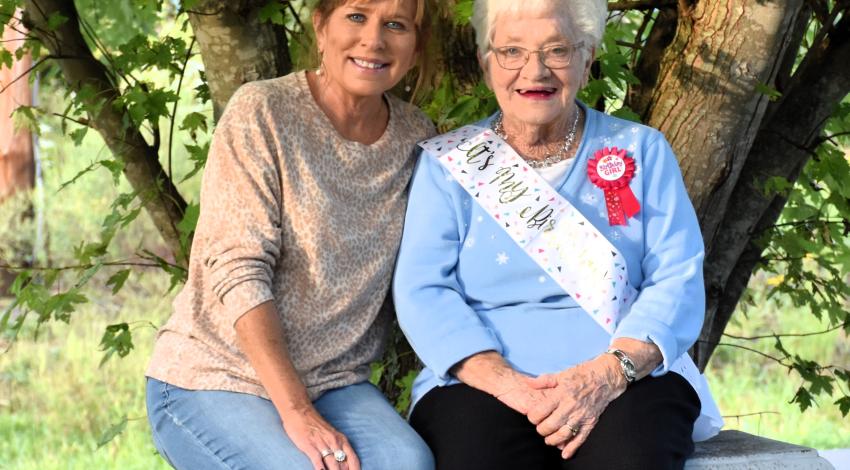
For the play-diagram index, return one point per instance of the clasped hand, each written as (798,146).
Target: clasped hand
(565,406)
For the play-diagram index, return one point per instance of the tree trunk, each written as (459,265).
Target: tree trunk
(236,47)
(783,145)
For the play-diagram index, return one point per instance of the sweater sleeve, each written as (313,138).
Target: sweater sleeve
(432,311)
(670,307)
(241,204)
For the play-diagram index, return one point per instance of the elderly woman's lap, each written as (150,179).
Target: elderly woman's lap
(649,426)
(228,430)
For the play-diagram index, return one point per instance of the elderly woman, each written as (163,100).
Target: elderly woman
(265,361)
(550,272)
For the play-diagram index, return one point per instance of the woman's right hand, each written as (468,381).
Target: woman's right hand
(519,395)
(489,372)
(309,431)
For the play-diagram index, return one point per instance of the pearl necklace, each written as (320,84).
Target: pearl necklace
(549,160)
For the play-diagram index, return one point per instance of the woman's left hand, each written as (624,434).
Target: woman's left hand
(577,398)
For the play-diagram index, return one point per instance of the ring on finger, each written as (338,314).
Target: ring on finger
(339,455)
(573,429)
(326,452)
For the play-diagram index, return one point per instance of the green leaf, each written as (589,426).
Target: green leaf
(112,432)
(772,93)
(377,373)
(803,398)
(843,405)
(117,280)
(626,113)
(117,339)
(115,167)
(78,134)
(272,12)
(197,155)
(187,225)
(24,117)
(194,122)
(405,385)
(7,60)
(56,20)
(463,12)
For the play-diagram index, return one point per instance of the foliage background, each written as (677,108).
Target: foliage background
(62,391)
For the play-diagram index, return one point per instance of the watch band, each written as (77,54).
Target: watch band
(626,363)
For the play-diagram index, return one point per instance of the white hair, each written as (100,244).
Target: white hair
(586,16)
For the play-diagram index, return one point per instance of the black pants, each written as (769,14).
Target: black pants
(647,428)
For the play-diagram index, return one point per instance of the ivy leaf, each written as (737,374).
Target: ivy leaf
(117,280)
(117,339)
(112,432)
(405,385)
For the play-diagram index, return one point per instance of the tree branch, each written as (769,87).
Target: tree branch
(174,108)
(141,162)
(641,5)
(787,335)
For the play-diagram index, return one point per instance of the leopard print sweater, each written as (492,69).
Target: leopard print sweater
(291,212)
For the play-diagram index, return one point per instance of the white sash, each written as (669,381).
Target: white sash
(556,236)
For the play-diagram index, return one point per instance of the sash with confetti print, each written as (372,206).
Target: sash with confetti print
(556,236)
(544,224)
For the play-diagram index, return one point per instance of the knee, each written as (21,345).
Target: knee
(411,453)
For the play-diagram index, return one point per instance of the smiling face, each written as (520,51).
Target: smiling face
(367,46)
(535,95)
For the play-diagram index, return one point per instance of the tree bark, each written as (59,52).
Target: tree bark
(141,163)
(783,144)
(236,47)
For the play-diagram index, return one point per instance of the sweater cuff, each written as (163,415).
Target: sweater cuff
(459,345)
(657,333)
(243,297)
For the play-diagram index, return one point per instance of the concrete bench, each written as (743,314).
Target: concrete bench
(738,450)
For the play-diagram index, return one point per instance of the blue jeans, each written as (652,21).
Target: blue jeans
(208,430)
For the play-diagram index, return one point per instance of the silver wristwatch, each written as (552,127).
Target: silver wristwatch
(626,363)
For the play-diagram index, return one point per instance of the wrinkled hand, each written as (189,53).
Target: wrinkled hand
(519,394)
(312,434)
(576,398)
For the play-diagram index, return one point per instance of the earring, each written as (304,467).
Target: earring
(407,88)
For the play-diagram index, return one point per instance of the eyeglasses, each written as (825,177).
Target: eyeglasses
(554,57)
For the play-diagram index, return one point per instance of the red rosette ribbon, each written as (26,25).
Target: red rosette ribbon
(611,170)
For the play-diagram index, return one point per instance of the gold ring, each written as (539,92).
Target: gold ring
(573,430)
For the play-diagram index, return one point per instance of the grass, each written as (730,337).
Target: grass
(745,383)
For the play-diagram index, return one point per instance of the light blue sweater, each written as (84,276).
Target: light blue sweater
(462,286)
